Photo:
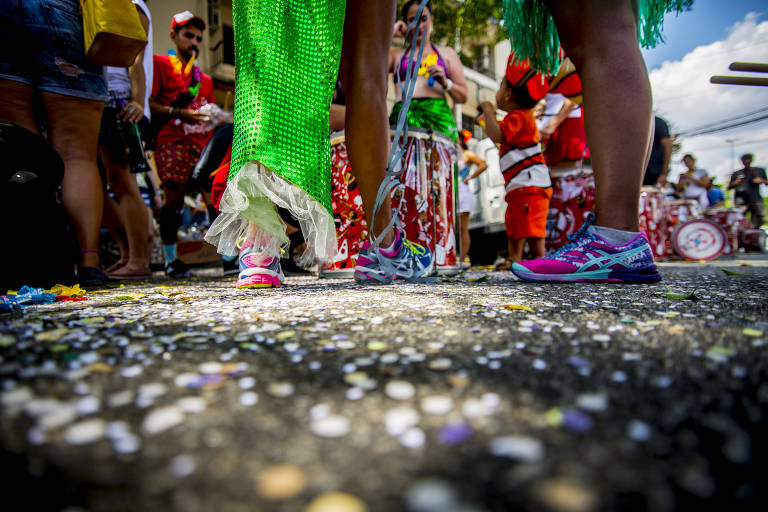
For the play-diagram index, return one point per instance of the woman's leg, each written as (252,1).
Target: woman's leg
(133,213)
(16,106)
(363,74)
(112,221)
(600,37)
(74,130)
(465,239)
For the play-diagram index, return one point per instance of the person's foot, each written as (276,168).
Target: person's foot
(177,269)
(90,275)
(258,270)
(129,271)
(118,264)
(589,258)
(407,260)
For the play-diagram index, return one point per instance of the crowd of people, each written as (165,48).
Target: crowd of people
(131,138)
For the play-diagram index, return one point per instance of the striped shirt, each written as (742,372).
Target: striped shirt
(521,161)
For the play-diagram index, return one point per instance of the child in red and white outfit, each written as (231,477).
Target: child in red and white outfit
(526,177)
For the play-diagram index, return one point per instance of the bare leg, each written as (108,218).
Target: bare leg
(516,247)
(465,239)
(537,247)
(600,37)
(113,221)
(74,130)
(133,213)
(16,106)
(363,74)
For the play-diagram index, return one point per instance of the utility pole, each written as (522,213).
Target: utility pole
(733,154)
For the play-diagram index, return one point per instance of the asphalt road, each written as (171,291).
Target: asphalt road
(474,393)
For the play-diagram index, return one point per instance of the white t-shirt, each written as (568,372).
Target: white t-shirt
(554,105)
(118,81)
(695,192)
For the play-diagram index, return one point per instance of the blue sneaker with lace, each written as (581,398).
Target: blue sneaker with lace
(590,258)
(406,260)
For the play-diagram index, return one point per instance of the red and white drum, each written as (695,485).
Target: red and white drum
(424,201)
(573,197)
(653,220)
(699,239)
(677,212)
(732,220)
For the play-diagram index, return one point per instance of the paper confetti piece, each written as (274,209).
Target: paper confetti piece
(517,307)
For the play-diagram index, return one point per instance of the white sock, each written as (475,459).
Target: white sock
(613,236)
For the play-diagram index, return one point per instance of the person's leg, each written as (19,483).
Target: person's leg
(112,221)
(465,239)
(74,130)
(538,249)
(170,218)
(133,211)
(16,106)
(600,37)
(516,246)
(363,75)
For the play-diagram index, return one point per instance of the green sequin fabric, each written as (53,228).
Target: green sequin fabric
(428,113)
(534,37)
(286,60)
(287,57)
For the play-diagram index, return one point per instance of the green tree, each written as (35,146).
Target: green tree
(474,22)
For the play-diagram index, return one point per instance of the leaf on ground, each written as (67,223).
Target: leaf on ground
(748,331)
(478,279)
(732,272)
(517,307)
(682,296)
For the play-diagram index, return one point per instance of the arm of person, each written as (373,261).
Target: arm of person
(666,147)
(394,58)
(472,157)
(759,179)
(337,117)
(735,180)
(492,127)
(455,84)
(558,119)
(702,182)
(133,111)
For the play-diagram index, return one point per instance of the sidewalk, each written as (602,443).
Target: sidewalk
(471,394)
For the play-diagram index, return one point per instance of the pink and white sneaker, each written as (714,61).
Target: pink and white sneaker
(589,258)
(257,270)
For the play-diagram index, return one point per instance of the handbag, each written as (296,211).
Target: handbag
(113,32)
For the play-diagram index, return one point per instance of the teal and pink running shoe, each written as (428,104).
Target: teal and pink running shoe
(257,269)
(589,258)
(407,260)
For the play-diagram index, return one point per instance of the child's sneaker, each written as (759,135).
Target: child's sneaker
(406,261)
(589,258)
(257,270)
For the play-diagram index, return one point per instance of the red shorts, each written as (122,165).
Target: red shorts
(176,160)
(526,215)
(568,143)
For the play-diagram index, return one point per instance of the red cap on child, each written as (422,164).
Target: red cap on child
(520,74)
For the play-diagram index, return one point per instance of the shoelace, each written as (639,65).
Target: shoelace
(415,248)
(574,238)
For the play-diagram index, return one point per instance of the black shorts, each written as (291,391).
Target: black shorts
(110,138)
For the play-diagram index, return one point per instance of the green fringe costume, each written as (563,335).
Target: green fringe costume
(430,114)
(534,37)
(287,57)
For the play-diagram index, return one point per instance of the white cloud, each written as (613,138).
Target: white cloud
(683,95)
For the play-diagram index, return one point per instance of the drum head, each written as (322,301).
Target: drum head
(699,239)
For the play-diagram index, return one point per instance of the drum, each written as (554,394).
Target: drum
(573,197)
(754,240)
(732,220)
(424,201)
(699,239)
(653,220)
(676,213)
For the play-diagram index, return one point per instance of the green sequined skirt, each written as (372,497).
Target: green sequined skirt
(534,37)
(286,61)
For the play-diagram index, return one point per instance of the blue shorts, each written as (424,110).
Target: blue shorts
(41,45)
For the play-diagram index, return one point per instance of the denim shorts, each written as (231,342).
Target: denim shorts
(41,45)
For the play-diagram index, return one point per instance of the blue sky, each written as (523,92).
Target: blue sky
(708,21)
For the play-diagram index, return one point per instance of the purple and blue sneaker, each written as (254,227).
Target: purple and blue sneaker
(589,258)
(407,260)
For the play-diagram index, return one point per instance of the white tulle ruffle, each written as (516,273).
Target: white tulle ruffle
(247,212)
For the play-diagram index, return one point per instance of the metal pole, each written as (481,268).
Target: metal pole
(739,80)
(750,67)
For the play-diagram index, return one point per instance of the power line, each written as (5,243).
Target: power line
(728,127)
(721,121)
